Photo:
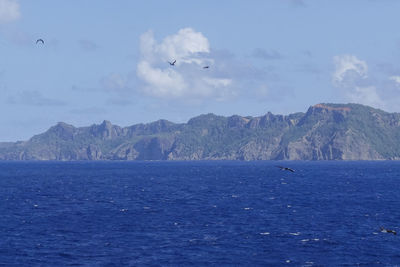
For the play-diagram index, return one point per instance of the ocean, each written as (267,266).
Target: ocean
(199,213)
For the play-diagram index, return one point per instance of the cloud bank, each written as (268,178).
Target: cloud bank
(9,11)
(186,79)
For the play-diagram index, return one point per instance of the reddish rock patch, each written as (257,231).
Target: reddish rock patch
(332,108)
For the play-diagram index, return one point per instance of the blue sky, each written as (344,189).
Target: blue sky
(108,59)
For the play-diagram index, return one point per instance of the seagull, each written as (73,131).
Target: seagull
(172,63)
(206,67)
(285,168)
(39,41)
(383,230)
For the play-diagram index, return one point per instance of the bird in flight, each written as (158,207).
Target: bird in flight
(39,41)
(285,168)
(206,67)
(172,63)
(383,230)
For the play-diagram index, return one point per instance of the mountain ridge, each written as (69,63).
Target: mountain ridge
(324,132)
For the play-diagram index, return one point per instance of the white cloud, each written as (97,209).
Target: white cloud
(350,76)
(367,95)
(161,82)
(187,78)
(348,68)
(9,10)
(184,45)
(396,79)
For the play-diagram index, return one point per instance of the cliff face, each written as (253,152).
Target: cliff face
(324,132)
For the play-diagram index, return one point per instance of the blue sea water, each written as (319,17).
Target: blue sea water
(217,213)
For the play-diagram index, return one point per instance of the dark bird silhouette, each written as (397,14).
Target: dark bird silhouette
(206,67)
(39,41)
(285,168)
(172,63)
(383,230)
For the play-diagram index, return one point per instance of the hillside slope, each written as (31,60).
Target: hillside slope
(324,132)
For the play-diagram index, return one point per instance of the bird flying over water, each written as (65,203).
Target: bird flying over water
(285,168)
(383,230)
(172,63)
(39,41)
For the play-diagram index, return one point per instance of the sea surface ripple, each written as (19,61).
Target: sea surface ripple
(217,213)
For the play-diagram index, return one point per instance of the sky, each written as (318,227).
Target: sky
(109,60)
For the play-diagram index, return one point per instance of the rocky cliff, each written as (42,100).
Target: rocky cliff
(324,132)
